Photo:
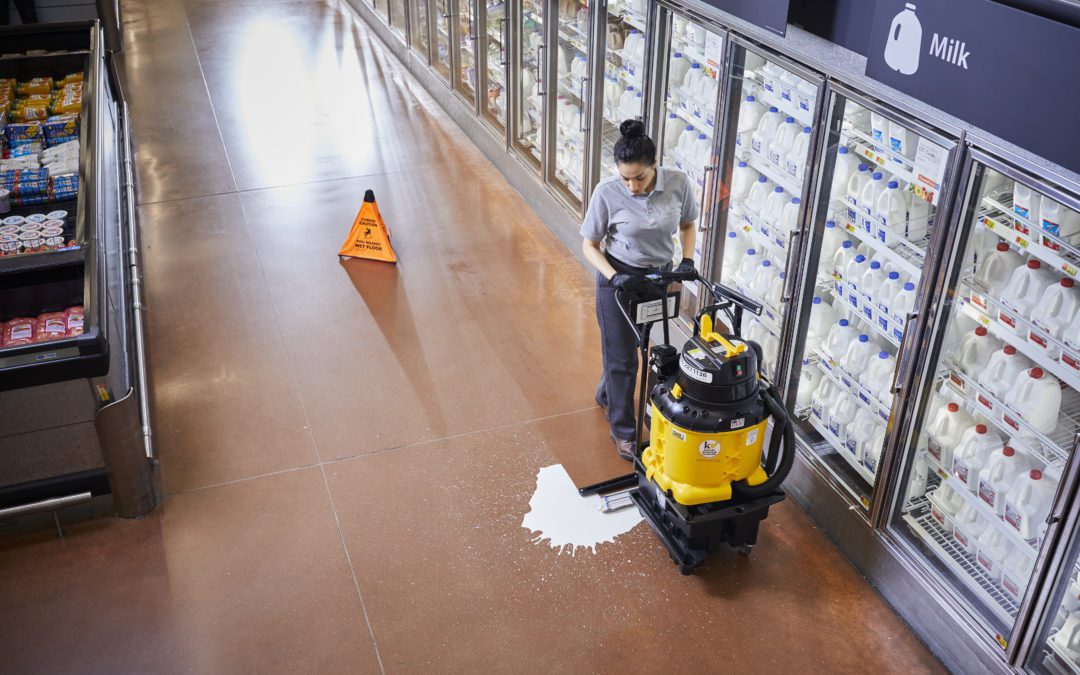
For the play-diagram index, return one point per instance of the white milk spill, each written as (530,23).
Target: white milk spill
(566,519)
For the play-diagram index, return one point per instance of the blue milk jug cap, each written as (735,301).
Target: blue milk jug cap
(700,136)
(778,189)
(894,275)
(893,184)
(806,130)
(678,55)
(762,179)
(883,355)
(773,108)
(864,338)
(671,116)
(843,150)
(909,286)
(630,87)
(817,300)
(742,165)
(751,251)
(794,200)
(731,235)
(696,65)
(789,120)
(847,244)
(689,127)
(844,323)
(829,225)
(783,274)
(766,263)
(863,167)
(875,265)
(877,175)
(750,99)
(860,258)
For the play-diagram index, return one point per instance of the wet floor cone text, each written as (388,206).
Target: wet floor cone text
(369,236)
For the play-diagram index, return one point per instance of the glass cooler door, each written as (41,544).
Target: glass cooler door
(998,411)
(418,28)
(442,39)
(692,69)
(495,58)
(531,47)
(570,112)
(465,39)
(770,129)
(623,92)
(875,216)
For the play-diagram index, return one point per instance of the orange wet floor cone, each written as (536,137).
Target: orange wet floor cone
(369,236)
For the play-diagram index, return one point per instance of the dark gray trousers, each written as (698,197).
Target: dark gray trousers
(619,346)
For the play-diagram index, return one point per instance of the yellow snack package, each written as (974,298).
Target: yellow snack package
(38,85)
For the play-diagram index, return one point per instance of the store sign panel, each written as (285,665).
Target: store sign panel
(772,15)
(1010,72)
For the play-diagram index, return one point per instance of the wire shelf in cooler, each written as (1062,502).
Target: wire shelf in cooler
(633,18)
(873,320)
(833,442)
(1055,446)
(909,256)
(851,386)
(866,147)
(998,217)
(691,51)
(760,231)
(700,124)
(775,174)
(989,316)
(1069,663)
(939,541)
(754,87)
(983,509)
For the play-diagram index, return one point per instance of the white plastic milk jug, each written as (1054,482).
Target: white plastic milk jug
(856,183)
(975,351)
(858,354)
(868,199)
(872,450)
(1001,373)
(841,259)
(900,305)
(861,431)
(759,191)
(944,433)
(1054,312)
(789,217)
(854,272)
(946,504)
(809,380)
(750,113)
(765,131)
(968,527)
(779,148)
(1037,398)
(1026,203)
(994,271)
(830,240)
(840,337)
(818,401)
(841,416)
(1028,503)
(972,454)
(821,320)
(774,205)
(900,140)
(1059,221)
(888,290)
(742,179)
(878,375)
(1004,468)
(993,548)
(796,156)
(673,127)
(762,279)
(750,262)
(891,211)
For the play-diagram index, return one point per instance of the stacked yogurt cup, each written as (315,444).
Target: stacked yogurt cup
(35,233)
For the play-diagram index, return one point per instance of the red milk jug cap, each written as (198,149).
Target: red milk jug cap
(1034,264)
(1010,350)
(1036,373)
(1068,282)
(980,428)
(1008,451)
(980,331)
(953,407)
(1036,474)
(1002,246)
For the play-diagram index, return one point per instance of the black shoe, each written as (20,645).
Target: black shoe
(625,449)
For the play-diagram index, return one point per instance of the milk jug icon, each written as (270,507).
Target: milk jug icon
(905,41)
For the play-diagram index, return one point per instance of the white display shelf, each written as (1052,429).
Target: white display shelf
(989,318)
(633,18)
(850,385)
(961,564)
(866,147)
(752,86)
(834,442)
(866,304)
(760,231)
(1067,661)
(998,217)
(629,78)
(700,125)
(763,166)
(983,509)
(692,52)
(1055,447)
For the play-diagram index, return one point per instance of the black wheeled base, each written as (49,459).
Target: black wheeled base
(690,533)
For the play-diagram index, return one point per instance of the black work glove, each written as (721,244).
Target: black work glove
(686,266)
(629,283)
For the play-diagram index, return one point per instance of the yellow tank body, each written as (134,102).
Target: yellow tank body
(699,467)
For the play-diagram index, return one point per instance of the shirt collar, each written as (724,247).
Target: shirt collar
(659,187)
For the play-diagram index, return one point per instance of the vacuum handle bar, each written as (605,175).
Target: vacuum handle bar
(719,292)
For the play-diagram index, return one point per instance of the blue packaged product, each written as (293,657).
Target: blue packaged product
(61,128)
(31,149)
(19,133)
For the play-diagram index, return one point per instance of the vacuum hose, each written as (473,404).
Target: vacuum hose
(777,465)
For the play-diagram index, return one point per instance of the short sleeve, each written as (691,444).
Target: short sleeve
(595,225)
(690,211)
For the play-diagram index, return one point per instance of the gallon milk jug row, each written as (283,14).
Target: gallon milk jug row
(1067,623)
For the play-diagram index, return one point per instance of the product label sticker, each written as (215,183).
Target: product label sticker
(752,436)
(695,373)
(738,423)
(678,434)
(709,449)
(929,171)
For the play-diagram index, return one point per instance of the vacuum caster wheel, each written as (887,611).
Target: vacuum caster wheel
(744,549)
(686,570)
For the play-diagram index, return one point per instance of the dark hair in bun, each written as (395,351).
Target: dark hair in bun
(633,146)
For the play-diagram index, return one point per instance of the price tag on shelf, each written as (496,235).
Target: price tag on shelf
(990,224)
(929,171)
(1071,270)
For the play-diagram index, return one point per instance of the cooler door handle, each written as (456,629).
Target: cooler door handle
(789,278)
(540,70)
(702,221)
(901,358)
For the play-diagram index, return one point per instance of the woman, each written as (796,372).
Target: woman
(635,216)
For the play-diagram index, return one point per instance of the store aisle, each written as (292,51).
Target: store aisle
(348,449)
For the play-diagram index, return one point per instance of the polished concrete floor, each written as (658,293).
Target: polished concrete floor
(347,449)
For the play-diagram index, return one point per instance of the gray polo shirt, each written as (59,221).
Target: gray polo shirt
(640,229)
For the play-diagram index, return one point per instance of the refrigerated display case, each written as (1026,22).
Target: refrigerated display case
(397,17)
(495,60)
(465,49)
(441,57)
(998,412)
(76,421)
(622,96)
(419,25)
(570,110)
(772,107)
(692,71)
(876,217)
(530,45)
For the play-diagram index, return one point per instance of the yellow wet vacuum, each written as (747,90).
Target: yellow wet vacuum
(706,478)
